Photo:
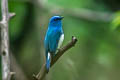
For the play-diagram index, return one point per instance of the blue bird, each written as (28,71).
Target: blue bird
(53,39)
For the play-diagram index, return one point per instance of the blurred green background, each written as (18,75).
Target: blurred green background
(95,23)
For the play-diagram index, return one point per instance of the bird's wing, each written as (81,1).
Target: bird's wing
(54,38)
(46,44)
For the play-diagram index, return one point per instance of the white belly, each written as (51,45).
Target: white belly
(60,41)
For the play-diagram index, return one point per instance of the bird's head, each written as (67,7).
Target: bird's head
(56,20)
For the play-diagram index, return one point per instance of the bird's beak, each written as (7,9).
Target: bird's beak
(62,17)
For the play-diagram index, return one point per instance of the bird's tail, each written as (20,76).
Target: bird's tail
(48,61)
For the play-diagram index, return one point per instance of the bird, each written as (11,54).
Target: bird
(53,39)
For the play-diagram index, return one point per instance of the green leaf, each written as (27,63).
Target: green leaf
(116,21)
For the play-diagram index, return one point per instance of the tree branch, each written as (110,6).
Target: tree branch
(6,74)
(80,13)
(61,51)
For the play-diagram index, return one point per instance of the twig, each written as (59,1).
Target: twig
(20,75)
(61,51)
(6,74)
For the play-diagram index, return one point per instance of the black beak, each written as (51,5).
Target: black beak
(62,17)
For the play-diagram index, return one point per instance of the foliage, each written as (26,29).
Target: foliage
(95,56)
(116,21)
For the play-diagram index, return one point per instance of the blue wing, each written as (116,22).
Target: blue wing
(51,43)
(52,39)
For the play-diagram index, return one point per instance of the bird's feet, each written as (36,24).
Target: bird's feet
(58,50)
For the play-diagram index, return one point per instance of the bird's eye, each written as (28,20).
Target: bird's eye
(55,19)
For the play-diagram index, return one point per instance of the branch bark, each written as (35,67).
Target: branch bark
(6,74)
(43,71)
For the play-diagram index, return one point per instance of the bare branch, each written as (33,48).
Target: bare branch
(80,13)
(11,15)
(6,74)
(43,71)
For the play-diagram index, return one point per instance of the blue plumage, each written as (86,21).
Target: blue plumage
(53,38)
